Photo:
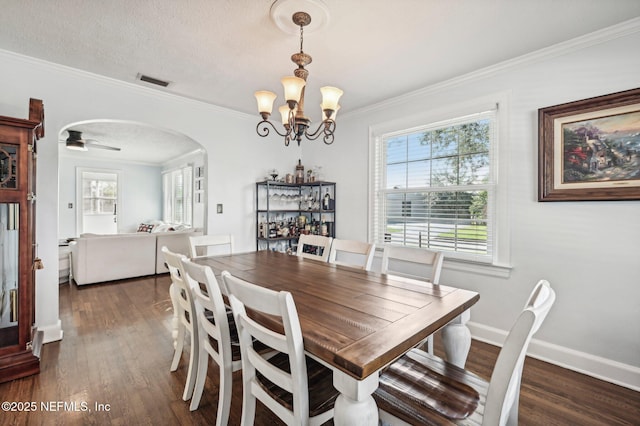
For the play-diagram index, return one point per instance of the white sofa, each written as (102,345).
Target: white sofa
(99,258)
(176,241)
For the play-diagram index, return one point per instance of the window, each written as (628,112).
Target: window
(99,193)
(435,186)
(98,201)
(177,190)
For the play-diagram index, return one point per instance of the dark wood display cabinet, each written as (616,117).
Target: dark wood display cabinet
(20,342)
(286,210)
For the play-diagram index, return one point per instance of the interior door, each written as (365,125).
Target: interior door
(98,201)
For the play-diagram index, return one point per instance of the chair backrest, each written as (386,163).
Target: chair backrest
(212,301)
(392,256)
(504,388)
(181,291)
(364,251)
(314,247)
(209,245)
(245,296)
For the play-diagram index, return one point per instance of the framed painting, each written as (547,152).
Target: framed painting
(590,149)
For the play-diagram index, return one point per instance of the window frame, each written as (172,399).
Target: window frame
(80,172)
(169,201)
(499,263)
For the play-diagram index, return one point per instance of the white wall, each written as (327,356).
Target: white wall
(141,196)
(595,323)
(236,156)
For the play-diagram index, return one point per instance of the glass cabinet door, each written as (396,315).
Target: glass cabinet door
(9,273)
(8,166)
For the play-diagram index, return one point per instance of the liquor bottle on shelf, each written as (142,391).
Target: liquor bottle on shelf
(326,201)
(299,172)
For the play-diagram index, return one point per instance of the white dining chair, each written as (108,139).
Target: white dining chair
(315,247)
(210,245)
(184,310)
(357,254)
(422,264)
(298,389)
(399,260)
(420,388)
(218,337)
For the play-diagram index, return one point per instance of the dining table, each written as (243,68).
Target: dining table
(357,322)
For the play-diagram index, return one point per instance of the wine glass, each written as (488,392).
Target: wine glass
(273,173)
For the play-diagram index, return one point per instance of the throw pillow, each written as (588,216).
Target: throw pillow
(163,228)
(145,227)
(160,228)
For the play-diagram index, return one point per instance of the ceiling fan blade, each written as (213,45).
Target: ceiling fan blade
(93,144)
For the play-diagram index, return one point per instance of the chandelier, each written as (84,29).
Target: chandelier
(296,124)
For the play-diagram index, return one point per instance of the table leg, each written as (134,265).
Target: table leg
(174,320)
(355,405)
(456,338)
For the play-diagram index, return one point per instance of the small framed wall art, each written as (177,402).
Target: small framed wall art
(590,149)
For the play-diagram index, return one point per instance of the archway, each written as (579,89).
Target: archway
(145,153)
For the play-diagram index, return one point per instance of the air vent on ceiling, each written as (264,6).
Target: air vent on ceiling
(152,80)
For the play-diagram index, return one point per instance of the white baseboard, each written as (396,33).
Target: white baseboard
(591,365)
(52,333)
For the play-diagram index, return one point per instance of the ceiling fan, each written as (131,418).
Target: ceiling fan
(75,142)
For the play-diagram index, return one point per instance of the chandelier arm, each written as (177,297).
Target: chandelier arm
(329,126)
(264,131)
(315,135)
(325,128)
(328,132)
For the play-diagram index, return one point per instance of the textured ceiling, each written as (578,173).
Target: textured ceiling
(221,51)
(137,142)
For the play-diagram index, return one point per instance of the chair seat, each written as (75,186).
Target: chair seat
(322,394)
(420,389)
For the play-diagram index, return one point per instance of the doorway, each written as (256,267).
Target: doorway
(97,200)
(145,152)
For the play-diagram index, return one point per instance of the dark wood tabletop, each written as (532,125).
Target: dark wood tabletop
(354,320)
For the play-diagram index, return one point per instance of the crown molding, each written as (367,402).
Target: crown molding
(140,89)
(597,37)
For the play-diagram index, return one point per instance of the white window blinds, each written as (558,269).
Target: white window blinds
(434,187)
(177,191)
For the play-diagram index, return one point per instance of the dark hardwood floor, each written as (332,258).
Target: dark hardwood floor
(112,367)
